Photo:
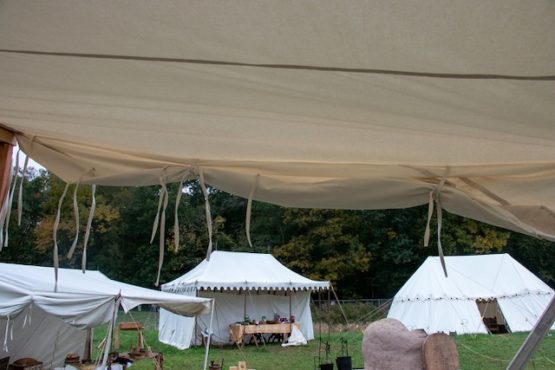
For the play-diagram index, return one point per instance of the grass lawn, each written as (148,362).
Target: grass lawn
(477,352)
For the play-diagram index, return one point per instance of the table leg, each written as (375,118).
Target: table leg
(141,340)
(116,338)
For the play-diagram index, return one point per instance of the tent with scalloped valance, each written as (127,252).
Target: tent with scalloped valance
(491,286)
(242,284)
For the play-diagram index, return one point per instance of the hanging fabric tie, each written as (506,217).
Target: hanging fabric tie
(20,194)
(430,213)
(165,196)
(88,229)
(208,213)
(76,215)
(55,234)
(10,199)
(157,217)
(435,196)
(176,216)
(5,346)
(249,209)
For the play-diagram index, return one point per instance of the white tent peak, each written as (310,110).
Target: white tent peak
(472,277)
(433,302)
(240,270)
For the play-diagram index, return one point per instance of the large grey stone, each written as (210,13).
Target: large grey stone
(388,345)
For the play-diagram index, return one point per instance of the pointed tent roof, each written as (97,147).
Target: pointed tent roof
(471,278)
(237,270)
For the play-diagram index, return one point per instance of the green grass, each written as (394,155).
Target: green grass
(477,352)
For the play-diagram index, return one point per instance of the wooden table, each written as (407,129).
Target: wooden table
(237,332)
(130,326)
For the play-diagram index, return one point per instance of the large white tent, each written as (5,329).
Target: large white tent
(45,323)
(240,283)
(477,286)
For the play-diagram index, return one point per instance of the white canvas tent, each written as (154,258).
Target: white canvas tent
(366,104)
(436,303)
(44,324)
(252,283)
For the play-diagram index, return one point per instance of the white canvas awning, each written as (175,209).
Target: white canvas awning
(81,300)
(242,271)
(46,324)
(355,105)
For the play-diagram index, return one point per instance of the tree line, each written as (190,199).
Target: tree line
(365,254)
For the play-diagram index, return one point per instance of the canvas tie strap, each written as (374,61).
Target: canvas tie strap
(20,194)
(176,216)
(249,209)
(88,229)
(165,196)
(430,214)
(435,196)
(10,199)
(208,213)
(157,217)
(76,216)
(55,235)
(5,345)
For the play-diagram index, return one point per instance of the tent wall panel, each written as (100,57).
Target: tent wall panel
(42,337)
(522,313)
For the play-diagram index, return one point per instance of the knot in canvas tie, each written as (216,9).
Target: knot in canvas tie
(207,210)
(249,208)
(435,196)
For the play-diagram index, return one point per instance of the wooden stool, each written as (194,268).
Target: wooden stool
(130,326)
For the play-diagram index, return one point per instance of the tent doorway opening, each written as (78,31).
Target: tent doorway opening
(492,316)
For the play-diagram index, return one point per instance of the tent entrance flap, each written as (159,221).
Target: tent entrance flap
(492,316)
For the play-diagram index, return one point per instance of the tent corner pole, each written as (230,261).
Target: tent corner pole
(108,347)
(209,336)
(534,339)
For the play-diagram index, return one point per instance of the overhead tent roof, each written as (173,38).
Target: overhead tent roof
(236,270)
(470,278)
(356,105)
(82,300)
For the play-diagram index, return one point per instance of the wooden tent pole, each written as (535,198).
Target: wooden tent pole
(7,142)
(534,339)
